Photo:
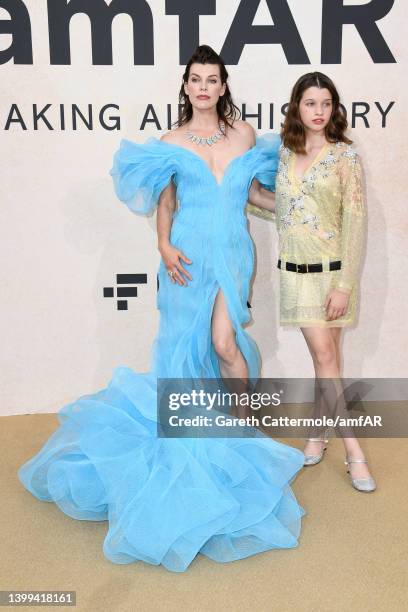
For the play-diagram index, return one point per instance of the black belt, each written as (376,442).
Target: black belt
(303,268)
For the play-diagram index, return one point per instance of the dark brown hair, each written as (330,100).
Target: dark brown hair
(293,131)
(226,109)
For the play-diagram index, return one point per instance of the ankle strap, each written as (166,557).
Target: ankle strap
(355,461)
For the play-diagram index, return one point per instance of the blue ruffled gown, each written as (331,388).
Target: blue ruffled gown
(168,499)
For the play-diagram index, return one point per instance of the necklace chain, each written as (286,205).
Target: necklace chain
(209,140)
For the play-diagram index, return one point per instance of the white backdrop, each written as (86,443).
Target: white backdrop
(64,235)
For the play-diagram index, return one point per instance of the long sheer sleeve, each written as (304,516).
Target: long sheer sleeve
(353,219)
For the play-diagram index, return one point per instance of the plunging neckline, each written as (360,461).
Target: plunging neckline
(310,166)
(204,163)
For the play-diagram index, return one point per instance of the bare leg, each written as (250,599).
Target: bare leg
(232,362)
(336,335)
(324,347)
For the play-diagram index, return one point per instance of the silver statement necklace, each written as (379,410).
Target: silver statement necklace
(210,140)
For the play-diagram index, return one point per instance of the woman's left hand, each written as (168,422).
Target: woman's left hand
(336,304)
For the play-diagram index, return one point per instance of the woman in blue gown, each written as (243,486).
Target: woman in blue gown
(168,499)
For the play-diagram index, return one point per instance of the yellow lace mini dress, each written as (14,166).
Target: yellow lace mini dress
(320,219)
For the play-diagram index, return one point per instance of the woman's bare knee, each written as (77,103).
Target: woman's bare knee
(226,348)
(324,354)
(322,347)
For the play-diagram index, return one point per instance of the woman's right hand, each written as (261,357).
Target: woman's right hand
(172,259)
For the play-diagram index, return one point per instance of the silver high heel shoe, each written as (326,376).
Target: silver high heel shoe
(314,459)
(361,484)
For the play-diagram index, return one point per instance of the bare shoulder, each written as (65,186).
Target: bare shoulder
(175,136)
(245,130)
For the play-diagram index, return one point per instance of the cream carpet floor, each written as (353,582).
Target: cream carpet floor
(352,554)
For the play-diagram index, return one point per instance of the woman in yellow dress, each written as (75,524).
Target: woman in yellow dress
(320,217)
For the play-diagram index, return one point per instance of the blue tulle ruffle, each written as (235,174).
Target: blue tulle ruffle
(140,172)
(166,500)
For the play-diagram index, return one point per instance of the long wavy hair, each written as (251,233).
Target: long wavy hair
(226,109)
(293,131)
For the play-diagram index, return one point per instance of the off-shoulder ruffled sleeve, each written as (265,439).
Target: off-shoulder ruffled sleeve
(266,164)
(267,161)
(140,172)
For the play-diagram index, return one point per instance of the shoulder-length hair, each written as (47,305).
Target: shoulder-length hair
(226,109)
(293,131)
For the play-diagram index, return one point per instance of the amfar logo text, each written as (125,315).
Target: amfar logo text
(242,32)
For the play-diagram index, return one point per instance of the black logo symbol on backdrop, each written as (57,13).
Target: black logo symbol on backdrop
(131,280)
